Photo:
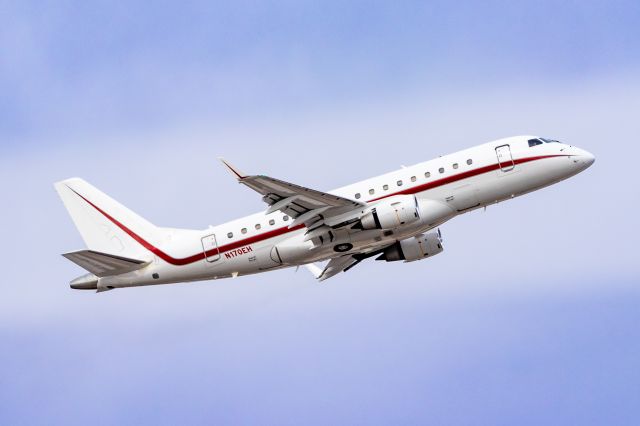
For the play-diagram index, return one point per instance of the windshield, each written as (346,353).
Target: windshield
(549,140)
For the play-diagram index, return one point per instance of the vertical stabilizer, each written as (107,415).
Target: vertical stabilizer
(105,225)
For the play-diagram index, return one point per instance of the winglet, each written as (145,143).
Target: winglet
(314,269)
(234,171)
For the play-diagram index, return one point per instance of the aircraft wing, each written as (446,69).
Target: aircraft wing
(340,264)
(306,206)
(337,265)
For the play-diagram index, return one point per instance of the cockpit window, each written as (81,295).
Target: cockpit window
(550,140)
(534,142)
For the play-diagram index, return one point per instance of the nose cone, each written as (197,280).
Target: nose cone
(583,159)
(85,282)
(589,158)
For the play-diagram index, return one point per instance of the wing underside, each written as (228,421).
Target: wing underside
(340,264)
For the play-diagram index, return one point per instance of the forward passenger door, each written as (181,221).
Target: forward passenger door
(505,160)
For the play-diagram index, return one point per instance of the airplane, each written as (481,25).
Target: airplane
(393,217)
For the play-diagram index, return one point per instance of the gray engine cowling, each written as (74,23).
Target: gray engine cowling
(415,248)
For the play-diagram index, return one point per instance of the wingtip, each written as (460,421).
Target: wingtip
(234,171)
(315,270)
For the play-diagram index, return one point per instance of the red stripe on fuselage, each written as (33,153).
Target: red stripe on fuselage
(281,231)
(461,176)
(198,256)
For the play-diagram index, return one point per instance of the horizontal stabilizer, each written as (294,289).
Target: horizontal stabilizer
(104,264)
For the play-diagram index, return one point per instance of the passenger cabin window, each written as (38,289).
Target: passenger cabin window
(285,218)
(441,169)
(427,174)
(358,196)
(413,178)
(469,161)
(243,230)
(230,235)
(534,142)
(399,183)
(455,165)
(258,226)
(385,187)
(372,191)
(272,222)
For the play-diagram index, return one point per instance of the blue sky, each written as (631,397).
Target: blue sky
(529,316)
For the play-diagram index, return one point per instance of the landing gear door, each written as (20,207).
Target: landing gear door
(505,160)
(210,248)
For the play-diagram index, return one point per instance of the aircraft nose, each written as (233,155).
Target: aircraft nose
(583,159)
(587,158)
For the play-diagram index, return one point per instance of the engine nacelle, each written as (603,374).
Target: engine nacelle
(414,248)
(291,250)
(391,213)
(297,248)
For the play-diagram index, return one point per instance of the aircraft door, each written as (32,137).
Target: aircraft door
(505,160)
(210,248)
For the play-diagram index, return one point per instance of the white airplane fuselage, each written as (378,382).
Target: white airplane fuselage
(442,188)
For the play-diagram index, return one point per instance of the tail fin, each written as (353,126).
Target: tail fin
(106,225)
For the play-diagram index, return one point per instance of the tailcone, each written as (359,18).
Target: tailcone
(85,282)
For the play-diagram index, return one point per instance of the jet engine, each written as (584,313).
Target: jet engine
(395,212)
(391,213)
(415,248)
